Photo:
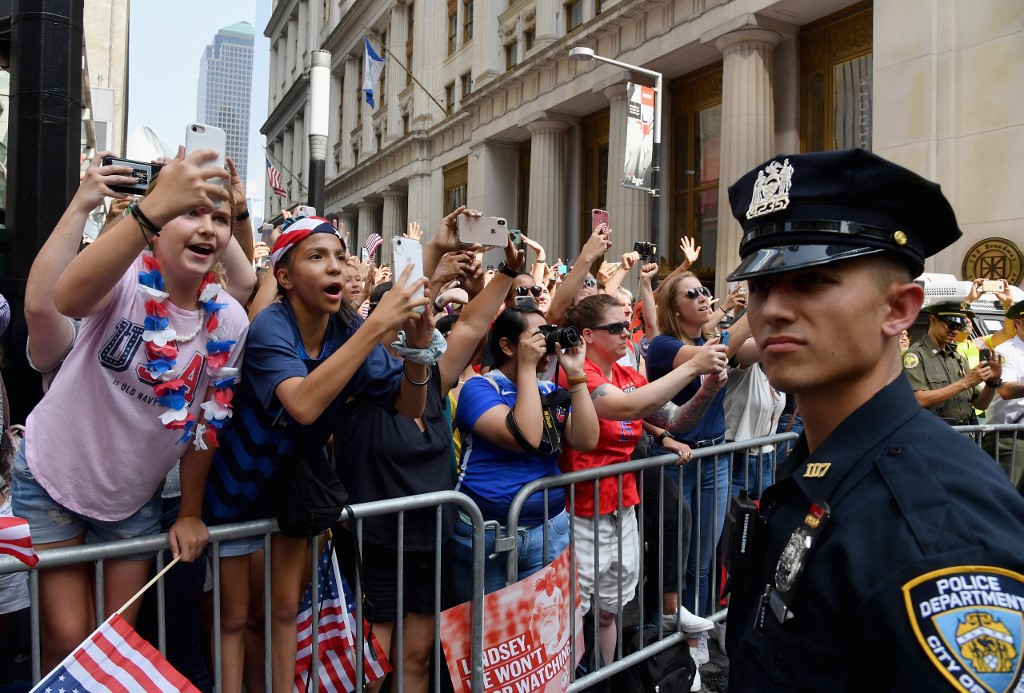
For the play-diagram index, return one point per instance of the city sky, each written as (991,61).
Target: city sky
(166,42)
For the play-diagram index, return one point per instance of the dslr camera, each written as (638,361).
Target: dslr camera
(647,250)
(568,337)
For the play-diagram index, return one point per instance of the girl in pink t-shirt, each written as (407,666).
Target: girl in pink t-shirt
(147,382)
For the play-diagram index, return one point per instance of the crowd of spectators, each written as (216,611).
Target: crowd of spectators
(219,362)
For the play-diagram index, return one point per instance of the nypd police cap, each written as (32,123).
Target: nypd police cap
(1015,311)
(802,210)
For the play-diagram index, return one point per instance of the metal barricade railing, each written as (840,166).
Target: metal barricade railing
(506,539)
(97,554)
(1004,442)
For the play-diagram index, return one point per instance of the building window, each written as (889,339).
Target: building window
(456,175)
(453,26)
(696,122)
(511,55)
(467,84)
(378,140)
(529,38)
(449,98)
(597,7)
(467,21)
(405,124)
(408,44)
(835,82)
(573,14)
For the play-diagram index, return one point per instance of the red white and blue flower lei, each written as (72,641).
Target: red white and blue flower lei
(162,351)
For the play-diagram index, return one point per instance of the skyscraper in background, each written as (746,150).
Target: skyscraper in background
(225,88)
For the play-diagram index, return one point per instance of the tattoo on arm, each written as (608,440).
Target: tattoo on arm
(682,418)
(599,391)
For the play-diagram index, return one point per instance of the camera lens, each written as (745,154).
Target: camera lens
(501,222)
(195,129)
(567,337)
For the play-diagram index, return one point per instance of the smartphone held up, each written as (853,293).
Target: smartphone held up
(407,251)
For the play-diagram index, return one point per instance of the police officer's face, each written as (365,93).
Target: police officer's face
(942,332)
(820,327)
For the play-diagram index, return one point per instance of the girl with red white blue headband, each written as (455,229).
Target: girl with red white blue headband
(148,382)
(306,356)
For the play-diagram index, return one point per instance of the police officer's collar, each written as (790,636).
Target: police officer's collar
(820,473)
(936,348)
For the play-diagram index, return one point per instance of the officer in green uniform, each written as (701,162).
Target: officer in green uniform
(943,382)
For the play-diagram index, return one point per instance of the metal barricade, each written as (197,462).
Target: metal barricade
(506,539)
(1003,442)
(97,554)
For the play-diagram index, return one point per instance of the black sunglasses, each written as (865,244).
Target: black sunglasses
(955,324)
(693,293)
(524,290)
(589,282)
(614,327)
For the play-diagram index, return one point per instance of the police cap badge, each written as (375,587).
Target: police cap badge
(802,210)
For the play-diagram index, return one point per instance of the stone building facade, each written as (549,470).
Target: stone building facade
(508,124)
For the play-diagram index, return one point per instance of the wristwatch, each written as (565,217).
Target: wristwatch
(662,436)
(508,272)
(242,216)
(998,383)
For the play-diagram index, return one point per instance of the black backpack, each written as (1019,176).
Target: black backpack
(670,670)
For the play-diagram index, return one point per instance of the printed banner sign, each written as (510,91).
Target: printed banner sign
(639,137)
(526,647)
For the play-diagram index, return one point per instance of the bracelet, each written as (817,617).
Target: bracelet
(577,381)
(661,438)
(998,383)
(242,216)
(577,388)
(143,220)
(430,372)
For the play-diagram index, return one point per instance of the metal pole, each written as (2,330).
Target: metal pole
(319,115)
(656,169)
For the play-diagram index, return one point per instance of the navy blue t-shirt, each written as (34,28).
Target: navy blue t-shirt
(660,354)
(261,436)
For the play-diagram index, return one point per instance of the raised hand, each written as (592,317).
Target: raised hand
(413,231)
(711,357)
(97,181)
(629,259)
(648,272)
(690,253)
(397,305)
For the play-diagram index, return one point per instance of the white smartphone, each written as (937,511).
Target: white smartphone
(305,210)
(491,231)
(199,136)
(407,251)
(993,285)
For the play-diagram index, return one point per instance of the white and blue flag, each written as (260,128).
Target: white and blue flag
(372,65)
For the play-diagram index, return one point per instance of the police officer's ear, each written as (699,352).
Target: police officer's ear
(904,303)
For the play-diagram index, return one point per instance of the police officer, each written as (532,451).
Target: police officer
(942,380)
(889,553)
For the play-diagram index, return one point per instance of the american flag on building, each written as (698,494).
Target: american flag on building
(337,632)
(114,658)
(274,176)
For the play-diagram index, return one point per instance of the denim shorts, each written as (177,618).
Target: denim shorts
(50,522)
(243,546)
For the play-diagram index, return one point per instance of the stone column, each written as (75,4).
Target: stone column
(424,111)
(368,224)
(547,184)
(293,59)
(488,52)
(397,34)
(418,201)
(284,159)
(629,210)
(748,127)
(298,162)
(394,215)
(349,104)
(302,59)
(549,14)
(334,125)
(275,78)
(348,222)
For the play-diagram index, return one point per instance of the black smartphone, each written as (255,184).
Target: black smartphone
(985,354)
(144,173)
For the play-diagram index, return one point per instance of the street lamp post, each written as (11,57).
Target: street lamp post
(319,115)
(583,54)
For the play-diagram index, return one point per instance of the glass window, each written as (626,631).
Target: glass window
(573,14)
(467,21)
(453,27)
(835,82)
(529,38)
(449,98)
(511,55)
(467,84)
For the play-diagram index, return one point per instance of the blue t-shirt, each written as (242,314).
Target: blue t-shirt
(660,354)
(261,436)
(492,475)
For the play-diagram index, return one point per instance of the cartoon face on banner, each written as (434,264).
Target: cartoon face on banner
(526,647)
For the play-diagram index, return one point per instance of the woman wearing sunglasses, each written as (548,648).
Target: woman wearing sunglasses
(623,399)
(684,311)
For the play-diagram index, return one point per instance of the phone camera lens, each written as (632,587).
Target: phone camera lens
(501,222)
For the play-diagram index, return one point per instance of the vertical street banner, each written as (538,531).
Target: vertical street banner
(526,646)
(639,137)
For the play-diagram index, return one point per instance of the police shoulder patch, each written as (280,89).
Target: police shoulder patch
(910,360)
(969,621)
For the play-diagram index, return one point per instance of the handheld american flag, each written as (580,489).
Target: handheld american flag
(373,241)
(336,630)
(15,540)
(114,658)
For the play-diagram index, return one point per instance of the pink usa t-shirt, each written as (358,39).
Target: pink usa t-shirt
(95,442)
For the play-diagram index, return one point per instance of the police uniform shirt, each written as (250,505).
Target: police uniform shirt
(912,584)
(930,367)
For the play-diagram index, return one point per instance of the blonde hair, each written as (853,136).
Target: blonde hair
(668,319)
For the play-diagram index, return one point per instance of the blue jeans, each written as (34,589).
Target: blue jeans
(708,501)
(752,472)
(529,549)
(797,427)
